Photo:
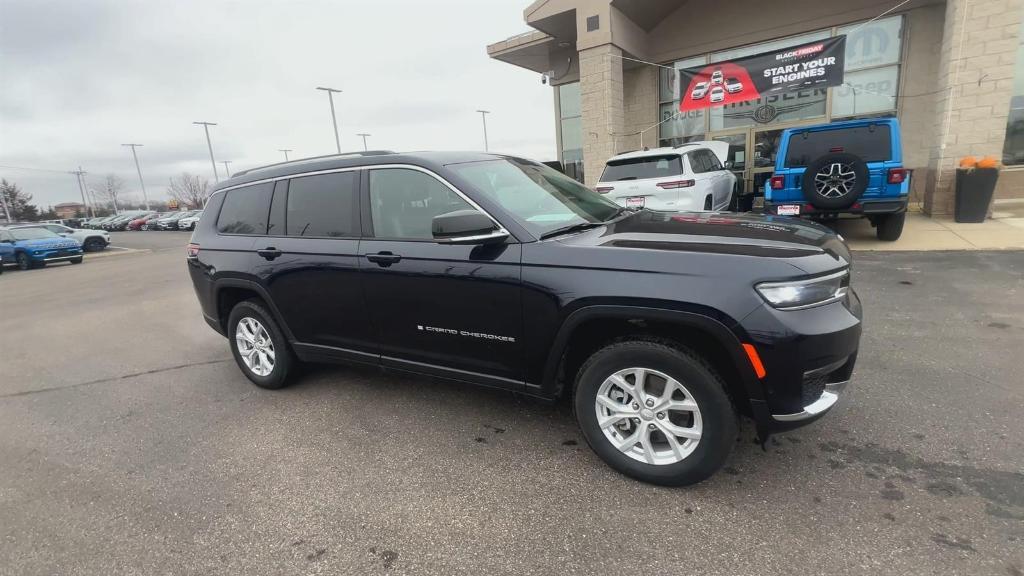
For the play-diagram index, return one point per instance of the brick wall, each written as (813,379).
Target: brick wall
(640,98)
(602,107)
(977,62)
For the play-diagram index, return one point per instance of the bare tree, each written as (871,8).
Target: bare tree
(189,190)
(110,190)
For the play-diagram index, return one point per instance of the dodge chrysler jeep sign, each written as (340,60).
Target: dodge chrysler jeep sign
(813,65)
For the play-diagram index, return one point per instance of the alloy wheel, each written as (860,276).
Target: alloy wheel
(255,346)
(835,180)
(648,416)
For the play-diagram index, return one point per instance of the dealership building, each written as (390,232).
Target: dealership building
(952,72)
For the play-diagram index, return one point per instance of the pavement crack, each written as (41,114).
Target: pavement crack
(113,379)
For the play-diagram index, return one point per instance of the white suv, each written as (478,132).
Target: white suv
(689,177)
(91,240)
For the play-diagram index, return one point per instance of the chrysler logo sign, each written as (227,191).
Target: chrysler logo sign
(765,113)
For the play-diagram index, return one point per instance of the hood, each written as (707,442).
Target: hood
(811,247)
(48,243)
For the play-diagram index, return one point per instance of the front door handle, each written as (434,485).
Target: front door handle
(269,252)
(383,259)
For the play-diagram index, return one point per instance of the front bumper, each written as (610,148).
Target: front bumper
(808,356)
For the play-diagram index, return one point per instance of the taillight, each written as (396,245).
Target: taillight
(778,182)
(192,251)
(604,189)
(897,175)
(675,184)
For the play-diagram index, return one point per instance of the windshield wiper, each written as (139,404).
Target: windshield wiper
(570,229)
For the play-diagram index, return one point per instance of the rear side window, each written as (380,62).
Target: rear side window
(871,143)
(245,210)
(642,168)
(322,205)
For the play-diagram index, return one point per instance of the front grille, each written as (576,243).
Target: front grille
(813,387)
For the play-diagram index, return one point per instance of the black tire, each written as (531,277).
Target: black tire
(824,163)
(76,260)
(94,244)
(890,226)
(700,379)
(24,263)
(283,361)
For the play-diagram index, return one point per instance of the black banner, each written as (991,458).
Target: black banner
(812,65)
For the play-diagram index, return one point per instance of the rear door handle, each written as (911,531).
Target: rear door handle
(383,259)
(269,252)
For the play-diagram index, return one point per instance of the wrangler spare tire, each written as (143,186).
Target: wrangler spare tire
(835,181)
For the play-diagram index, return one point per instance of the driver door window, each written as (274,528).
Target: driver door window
(403,203)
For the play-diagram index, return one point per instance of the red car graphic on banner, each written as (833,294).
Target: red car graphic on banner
(731,81)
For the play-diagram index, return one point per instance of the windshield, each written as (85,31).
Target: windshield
(32,234)
(541,198)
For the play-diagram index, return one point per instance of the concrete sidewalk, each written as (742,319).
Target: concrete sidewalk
(1004,231)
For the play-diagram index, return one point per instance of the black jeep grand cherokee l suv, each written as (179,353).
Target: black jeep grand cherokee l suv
(502,272)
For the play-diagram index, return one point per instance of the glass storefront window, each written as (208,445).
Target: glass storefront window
(874,44)
(1013,146)
(569,106)
(866,92)
(775,109)
(677,124)
(769,46)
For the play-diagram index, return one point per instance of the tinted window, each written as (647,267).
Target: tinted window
(871,143)
(697,163)
(712,160)
(642,168)
(322,205)
(404,202)
(245,210)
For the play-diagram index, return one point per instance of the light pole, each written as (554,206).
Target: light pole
(286,151)
(227,173)
(334,119)
(483,116)
(206,128)
(364,140)
(139,170)
(80,174)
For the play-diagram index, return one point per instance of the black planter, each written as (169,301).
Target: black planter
(974,189)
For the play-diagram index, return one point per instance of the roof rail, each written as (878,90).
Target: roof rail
(299,160)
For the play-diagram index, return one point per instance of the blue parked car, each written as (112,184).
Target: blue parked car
(852,167)
(36,247)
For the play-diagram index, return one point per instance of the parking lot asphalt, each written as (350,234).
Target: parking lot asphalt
(131,444)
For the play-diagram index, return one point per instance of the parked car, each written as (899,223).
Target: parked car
(851,168)
(95,223)
(699,91)
(733,85)
(91,240)
(189,222)
(121,222)
(717,94)
(34,247)
(690,177)
(500,271)
(141,222)
(170,221)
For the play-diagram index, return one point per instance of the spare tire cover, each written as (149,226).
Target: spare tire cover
(835,181)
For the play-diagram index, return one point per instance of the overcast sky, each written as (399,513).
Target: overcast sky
(81,77)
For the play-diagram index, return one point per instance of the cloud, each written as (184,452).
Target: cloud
(82,77)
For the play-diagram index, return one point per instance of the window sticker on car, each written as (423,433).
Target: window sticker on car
(635,202)
(789,210)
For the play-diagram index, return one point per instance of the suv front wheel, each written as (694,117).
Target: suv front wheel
(258,345)
(655,411)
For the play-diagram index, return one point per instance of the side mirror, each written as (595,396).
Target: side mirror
(466,227)
(728,165)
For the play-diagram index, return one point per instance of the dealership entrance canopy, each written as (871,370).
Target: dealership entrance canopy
(622,71)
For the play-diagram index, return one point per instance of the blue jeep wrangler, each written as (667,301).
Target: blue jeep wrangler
(852,167)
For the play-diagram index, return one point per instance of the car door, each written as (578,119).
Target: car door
(703,181)
(720,178)
(446,309)
(309,263)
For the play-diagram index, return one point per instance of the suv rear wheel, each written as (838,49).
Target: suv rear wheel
(258,345)
(655,411)
(890,226)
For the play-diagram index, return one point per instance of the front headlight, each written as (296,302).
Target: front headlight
(797,294)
